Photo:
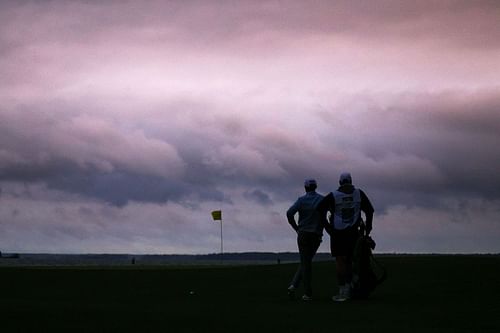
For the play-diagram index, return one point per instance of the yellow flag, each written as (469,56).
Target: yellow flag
(217,215)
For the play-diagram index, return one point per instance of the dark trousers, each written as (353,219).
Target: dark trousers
(308,243)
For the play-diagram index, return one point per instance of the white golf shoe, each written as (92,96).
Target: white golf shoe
(291,291)
(344,294)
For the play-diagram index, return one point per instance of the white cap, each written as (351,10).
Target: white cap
(345,178)
(310,182)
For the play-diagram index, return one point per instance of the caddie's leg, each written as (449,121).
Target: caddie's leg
(348,270)
(341,263)
(343,293)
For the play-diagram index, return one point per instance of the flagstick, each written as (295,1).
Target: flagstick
(221,243)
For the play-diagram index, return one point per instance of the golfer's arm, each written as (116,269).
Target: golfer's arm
(290,215)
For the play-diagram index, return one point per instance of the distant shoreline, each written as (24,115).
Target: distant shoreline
(243,258)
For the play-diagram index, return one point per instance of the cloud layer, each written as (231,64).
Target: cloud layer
(122,126)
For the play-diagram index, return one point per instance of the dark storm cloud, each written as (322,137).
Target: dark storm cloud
(155,113)
(466,131)
(426,147)
(74,150)
(415,150)
(463,23)
(421,147)
(259,197)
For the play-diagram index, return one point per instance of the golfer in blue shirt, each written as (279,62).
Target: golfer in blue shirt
(309,233)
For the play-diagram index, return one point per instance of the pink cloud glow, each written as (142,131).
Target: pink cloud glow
(152,115)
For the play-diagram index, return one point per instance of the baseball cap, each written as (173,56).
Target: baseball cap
(345,178)
(310,182)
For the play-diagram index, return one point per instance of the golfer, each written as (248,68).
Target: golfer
(345,206)
(309,232)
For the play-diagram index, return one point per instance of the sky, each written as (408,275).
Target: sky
(123,124)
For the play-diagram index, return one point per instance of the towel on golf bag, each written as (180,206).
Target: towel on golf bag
(368,273)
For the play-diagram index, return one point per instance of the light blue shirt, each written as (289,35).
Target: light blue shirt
(310,219)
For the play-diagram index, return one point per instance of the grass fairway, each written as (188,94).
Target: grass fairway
(422,294)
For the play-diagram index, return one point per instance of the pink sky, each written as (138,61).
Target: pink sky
(123,124)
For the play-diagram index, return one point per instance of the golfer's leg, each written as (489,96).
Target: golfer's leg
(299,274)
(297,278)
(311,248)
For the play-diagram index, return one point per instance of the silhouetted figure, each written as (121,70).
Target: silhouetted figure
(133,260)
(345,205)
(309,233)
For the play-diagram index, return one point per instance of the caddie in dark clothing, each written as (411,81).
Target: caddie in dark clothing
(309,232)
(345,205)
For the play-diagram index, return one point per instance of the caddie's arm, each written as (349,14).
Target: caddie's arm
(327,226)
(324,207)
(327,203)
(367,208)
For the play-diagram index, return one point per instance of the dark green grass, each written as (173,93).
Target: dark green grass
(422,294)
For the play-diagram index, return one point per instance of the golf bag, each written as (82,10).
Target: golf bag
(368,273)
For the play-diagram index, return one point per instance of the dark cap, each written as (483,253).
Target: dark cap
(345,178)
(310,182)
